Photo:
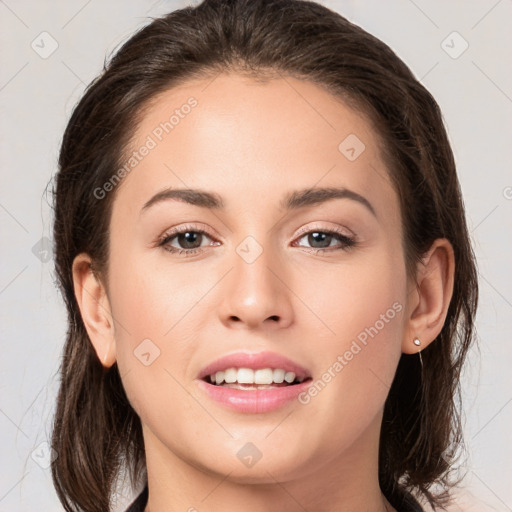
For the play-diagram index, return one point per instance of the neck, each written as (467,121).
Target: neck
(338,481)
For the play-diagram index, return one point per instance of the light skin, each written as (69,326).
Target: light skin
(252,144)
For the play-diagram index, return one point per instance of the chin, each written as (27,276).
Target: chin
(246,466)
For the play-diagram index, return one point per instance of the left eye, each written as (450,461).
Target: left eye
(323,239)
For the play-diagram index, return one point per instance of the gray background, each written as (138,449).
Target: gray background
(37,93)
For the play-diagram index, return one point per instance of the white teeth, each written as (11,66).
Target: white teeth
(219,377)
(278,376)
(262,376)
(245,376)
(230,375)
(289,377)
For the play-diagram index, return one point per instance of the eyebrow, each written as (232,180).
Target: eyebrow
(292,201)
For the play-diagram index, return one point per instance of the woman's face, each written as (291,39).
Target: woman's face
(318,278)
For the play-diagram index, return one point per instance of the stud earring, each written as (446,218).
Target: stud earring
(417,342)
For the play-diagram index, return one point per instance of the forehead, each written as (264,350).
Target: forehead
(242,136)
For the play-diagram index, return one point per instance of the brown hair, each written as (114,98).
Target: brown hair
(96,432)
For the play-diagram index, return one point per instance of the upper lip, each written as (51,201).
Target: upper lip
(254,361)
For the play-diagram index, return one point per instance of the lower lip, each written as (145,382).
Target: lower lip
(254,400)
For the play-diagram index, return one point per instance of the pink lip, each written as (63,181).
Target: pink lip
(253,400)
(254,361)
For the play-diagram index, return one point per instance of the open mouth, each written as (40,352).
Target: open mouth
(248,379)
(254,384)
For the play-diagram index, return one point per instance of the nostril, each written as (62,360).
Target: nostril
(274,317)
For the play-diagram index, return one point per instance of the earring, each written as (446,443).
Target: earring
(417,342)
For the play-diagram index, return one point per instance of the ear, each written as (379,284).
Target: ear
(430,296)
(95,309)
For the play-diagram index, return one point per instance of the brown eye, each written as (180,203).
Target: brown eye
(186,241)
(189,239)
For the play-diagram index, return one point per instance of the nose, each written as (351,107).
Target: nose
(256,295)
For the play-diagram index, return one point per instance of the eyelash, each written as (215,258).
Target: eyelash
(346,241)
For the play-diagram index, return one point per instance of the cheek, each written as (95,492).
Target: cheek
(154,301)
(158,313)
(360,309)
(363,293)
(153,345)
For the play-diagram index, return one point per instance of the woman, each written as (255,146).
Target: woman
(262,246)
